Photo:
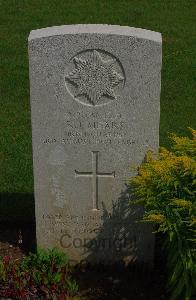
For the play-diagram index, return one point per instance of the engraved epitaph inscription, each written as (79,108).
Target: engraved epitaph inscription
(94,175)
(95,77)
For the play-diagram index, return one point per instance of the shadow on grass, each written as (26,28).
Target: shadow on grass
(17,207)
(17,222)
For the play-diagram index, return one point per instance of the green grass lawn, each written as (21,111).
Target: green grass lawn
(173,18)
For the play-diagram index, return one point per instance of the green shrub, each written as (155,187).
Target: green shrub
(166,187)
(44,275)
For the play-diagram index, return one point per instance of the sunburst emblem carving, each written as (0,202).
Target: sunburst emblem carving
(95,77)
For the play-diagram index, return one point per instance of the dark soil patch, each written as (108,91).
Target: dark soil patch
(17,239)
(118,282)
(95,282)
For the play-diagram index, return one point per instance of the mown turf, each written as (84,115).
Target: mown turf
(174,19)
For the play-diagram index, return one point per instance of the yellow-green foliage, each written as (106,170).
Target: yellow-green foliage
(166,186)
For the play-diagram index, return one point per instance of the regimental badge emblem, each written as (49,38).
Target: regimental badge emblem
(95,77)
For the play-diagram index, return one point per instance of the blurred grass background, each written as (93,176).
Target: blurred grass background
(174,19)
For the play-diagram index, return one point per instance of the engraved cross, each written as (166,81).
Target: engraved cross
(94,175)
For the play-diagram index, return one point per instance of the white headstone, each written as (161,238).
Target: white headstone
(95,93)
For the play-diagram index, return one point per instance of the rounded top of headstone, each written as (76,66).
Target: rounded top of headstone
(95,29)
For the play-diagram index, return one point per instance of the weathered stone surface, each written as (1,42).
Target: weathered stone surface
(95,93)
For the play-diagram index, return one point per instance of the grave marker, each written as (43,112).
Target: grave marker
(95,93)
